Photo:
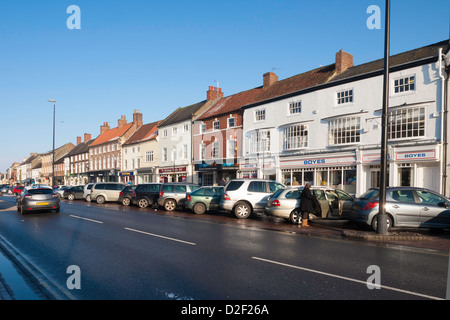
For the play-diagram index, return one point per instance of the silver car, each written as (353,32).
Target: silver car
(405,207)
(245,196)
(106,191)
(332,203)
(173,195)
(36,199)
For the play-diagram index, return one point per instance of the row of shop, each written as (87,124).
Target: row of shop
(353,171)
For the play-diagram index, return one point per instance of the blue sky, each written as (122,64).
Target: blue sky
(159,55)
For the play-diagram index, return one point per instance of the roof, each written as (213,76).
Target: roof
(231,103)
(81,148)
(416,55)
(182,114)
(144,133)
(111,134)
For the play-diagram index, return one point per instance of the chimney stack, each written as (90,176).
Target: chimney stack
(104,127)
(87,137)
(213,93)
(121,122)
(269,78)
(344,61)
(78,140)
(137,118)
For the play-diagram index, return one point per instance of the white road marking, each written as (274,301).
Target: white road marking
(78,217)
(346,278)
(159,236)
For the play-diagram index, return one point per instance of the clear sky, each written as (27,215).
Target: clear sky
(157,56)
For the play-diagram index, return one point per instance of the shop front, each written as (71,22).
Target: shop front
(103,176)
(145,175)
(210,174)
(127,177)
(172,174)
(335,171)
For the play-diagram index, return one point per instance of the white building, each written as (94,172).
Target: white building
(329,131)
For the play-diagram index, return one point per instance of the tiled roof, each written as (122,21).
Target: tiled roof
(430,51)
(83,147)
(144,133)
(111,135)
(182,114)
(231,103)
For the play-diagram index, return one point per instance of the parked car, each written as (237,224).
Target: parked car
(332,203)
(405,207)
(60,190)
(106,191)
(73,193)
(173,195)
(204,199)
(87,192)
(17,190)
(39,198)
(126,195)
(245,196)
(146,194)
(5,189)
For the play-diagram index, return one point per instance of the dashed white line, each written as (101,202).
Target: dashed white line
(160,236)
(346,278)
(78,217)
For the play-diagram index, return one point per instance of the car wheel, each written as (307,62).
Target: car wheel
(375,223)
(170,205)
(199,208)
(22,210)
(143,203)
(88,198)
(100,199)
(71,197)
(242,210)
(126,201)
(295,217)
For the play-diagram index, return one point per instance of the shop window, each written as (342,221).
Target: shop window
(406,175)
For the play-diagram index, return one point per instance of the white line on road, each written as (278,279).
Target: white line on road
(159,236)
(346,278)
(96,221)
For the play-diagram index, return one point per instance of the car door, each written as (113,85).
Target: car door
(434,210)
(323,201)
(78,192)
(402,206)
(345,202)
(257,194)
(215,198)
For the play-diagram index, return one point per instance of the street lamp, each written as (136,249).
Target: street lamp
(53,161)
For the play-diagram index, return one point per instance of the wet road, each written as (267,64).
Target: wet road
(132,253)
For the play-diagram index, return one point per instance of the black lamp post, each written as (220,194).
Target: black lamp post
(53,161)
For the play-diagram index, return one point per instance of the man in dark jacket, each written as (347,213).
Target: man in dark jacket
(307,203)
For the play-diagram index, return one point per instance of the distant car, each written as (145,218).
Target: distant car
(106,191)
(73,193)
(332,203)
(40,198)
(405,207)
(204,199)
(18,190)
(173,195)
(59,190)
(87,191)
(126,195)
(245,196)
(4,189)
(146,194)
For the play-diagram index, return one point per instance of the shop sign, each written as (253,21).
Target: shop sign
(311,162)
(126,174)
(248,167)
(422,155)
(172,170)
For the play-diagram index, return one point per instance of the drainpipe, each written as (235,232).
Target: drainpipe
(442,176)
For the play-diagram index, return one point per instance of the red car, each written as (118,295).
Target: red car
(17,190)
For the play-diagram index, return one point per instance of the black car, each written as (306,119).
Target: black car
(126,195)
(73,193)
(147,194)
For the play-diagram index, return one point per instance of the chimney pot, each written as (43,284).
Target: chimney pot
(344,61)
(269,78)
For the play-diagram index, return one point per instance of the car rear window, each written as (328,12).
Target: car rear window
(276,194)
(40,191)
(234,185)
(369,195)
(100,186)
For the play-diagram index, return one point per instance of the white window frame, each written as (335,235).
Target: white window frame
(345,97)
(408,129)
(216,125)
(149,156)
(260,115)
(295,137)
(215,150)
(344,131)
(404,84)
(259,141)
(295,107)
(231,146)
(234,122)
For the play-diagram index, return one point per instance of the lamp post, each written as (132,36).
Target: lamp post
(53,161)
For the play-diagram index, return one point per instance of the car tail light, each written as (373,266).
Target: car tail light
(226,197)
(27,196)
(134,193)
(188,197)
(370,205)
(161,193)
(55,195)
(275,203)
(121,193)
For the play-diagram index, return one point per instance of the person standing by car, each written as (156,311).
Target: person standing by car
(307,204)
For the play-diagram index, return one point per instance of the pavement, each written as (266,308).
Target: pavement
(418,238)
